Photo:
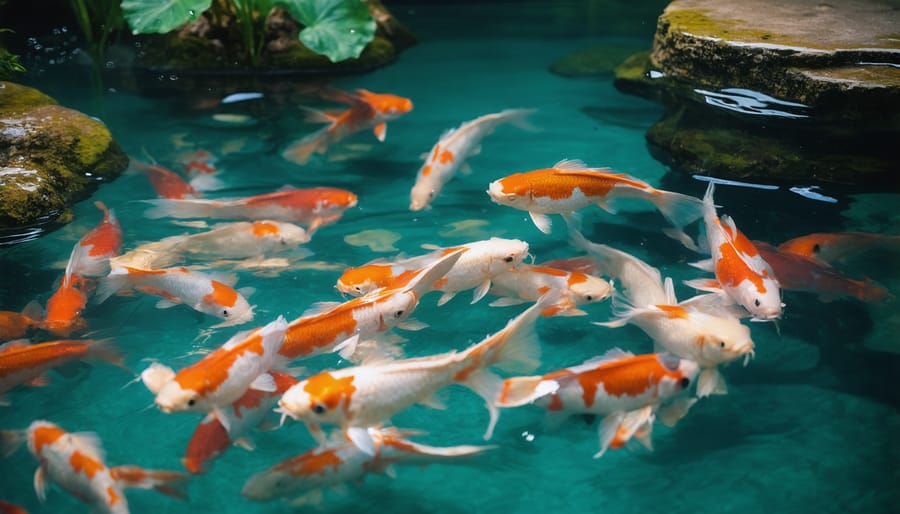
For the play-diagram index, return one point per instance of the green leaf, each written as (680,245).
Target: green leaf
(338,29)
(161,16)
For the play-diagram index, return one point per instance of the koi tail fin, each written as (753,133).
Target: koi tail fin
(618,428)
(679,209)
(105,350)
(170,483)
(415,453)
(519,119)
(183,208)
(520,391)
(110,285)
(301,150)
(11,440)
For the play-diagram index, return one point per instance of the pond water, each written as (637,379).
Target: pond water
(810,425)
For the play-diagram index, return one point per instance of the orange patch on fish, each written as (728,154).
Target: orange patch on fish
(315,464)
(221,295)
(631,376)
(560,184)
(549,271)
(330,391)
(209,440)
(556,403)
(81,462)
(426,170)
(731,270)
(44,435)
(577,278)
(263,229)
(674,311)
(114,498)
(446,157)
(305,335)
(214,369)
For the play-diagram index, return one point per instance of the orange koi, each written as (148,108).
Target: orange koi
(839,247)
(166,182)
(90,257)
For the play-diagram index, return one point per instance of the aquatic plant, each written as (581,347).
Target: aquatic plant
(338,29)
(98,21)
(9,62)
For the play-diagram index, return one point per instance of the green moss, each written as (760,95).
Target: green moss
(14,97)
(635,67)
(183,52)
(297,56)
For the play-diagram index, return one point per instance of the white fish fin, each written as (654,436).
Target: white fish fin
(573,220)
(711,382)
(318,308)
(679,209)
(424,156)
(507,302)
(245,443)
(391,471)
(446,297)
(475,151)
(465,169)
(705,265)
(165,304)
(685,240)
(156,376)
(710,285)
(412,325)
(434,402)
(480,291)
(40,483)
(541,221)
(34,311)
(670,413)
(206,182)
(247,292)
(301,150)
(380,131)
(347,347)
(520,349)
(607,431)
(716,304)
(264,382)
(312,498)
(487,385)
(731,228)
(110,285)
(519,391)
(90,444)
(222,416)
(11,441)
(519,118)
(571,165)
(570,311)
(424,281)
(362,439)
(669,287)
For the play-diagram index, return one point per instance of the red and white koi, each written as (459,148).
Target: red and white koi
(627,390)
(339,462)
(312,207)
(529,283)
(222,377)
(367,110)
(166,182)
(200,167)
(75,462)
(449,154)
(741,273)
(570,185)
(340,327)
(197,290)
(23,363)
(211,439)
(90,257)
(363,396)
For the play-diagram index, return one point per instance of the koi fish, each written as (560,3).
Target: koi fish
(339,462)
(703,329)
(340,327)
(200,167)
(166,182)
(90,257)
(367,110)
(451,151)
(627,390)
(742,274)
(75,462)
(211,439)
(528,283)
(23,363)
(197,290)
(312,207)
(838,247)
(237,240)
(222,377)
(796,272)
(64,308)
(362,396)
(570,185)
(481,262)
(14,325)
(11,508)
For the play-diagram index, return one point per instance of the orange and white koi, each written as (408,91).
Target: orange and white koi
(627,390)
(222,377)
(741,273)
(197,290)
(338,462)
(64,308)
(75,462)
(363,396)
(312,207)
(340,327)
(166,182)
(529,282)
(211,439)
(570,185)
(838,247)
(90,257)
(481,261)
(796,272)
(449,154)
(237,240)
(23,363)
(367,110)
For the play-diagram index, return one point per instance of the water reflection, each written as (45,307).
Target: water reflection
(746,101)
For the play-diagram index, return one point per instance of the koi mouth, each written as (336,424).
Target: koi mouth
(285,413)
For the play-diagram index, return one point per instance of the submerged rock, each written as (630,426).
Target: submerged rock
(593,61)
(50,156)
(795,90)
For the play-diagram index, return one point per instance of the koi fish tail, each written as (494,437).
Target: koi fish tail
(868,291)
(519,118)
(182,208)
(11,440)
(414,453)
(170,483)
(520,391)
(105,350)
(210,440)
(111,284)
(300,151)
(680,210)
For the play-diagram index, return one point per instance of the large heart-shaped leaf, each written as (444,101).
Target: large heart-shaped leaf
(338,29)
(161,16)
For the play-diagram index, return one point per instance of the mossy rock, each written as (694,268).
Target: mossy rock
(296,56)
(50,156)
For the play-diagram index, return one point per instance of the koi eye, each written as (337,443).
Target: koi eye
(685,382)
(191,402)
(721,344)
(358,289)
(816,248)
(508,258)
(756,302)
(398,314)
(589,298)
(319,408)
(225,313)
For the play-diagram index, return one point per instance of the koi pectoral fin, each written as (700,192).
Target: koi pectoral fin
(541,221)
(380,131)
(710,382)
(362,439)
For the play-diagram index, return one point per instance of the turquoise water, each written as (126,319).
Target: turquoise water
(809,426)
